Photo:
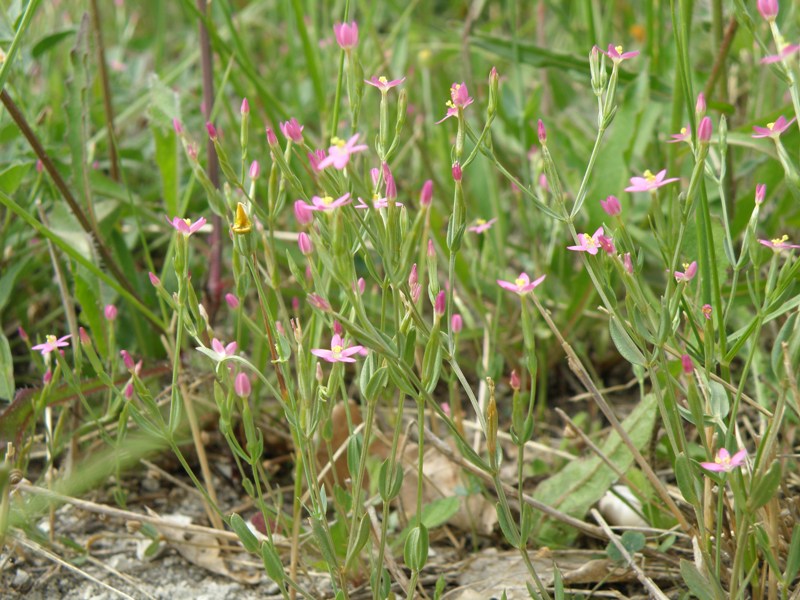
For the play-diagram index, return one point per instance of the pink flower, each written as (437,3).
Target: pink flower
(773,130)
(514,381)
(616,54)
(383,84)
(318,302)
(761,191)
(683,136)
(110,312)
(328,203)
(607,244)
(338,352)
(304,243)
(704,130)
(241,385)
(377,202)
(340,151)
(787,51)
(426,194)
(521,285)
(690,270)
(456,170)
(316,157)
(768,9)
(649,182)
(127,360)
(154,280)
(346,35)
(781,243)
(255,170)
(51,343)
(459,100)
(588,243)
(361,285)
(611,206)
(232,300)
(725,462)
(456,323)
(292,130)
(440,304)
(482,225)
(303,212)
(222,351)
(185,226)
(707,311)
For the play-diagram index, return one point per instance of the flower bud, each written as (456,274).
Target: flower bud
(700,106)
(456,171)
(155,281)
(23,335)
(48,377)
(541,132)
(431,249)
(85,340)
(426,194)
(761,192)
(232,300)
(272,140)
(494,80)
(704,130)
(319,302)
(245,109)
(337,328)
(255,170)
(375,175)
(178,126)
(686,363)
(413,277)
(440,304)
(303,213)
(361,285)
(514,381)
(241,385)
(304,243)
(456,323)
(768,9)
(110,312)
(127,360)
(318,374)
(707,311)
(128,391)
(212,131)
(611,205)
(628,263)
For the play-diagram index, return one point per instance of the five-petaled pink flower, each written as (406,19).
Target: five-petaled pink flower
(52,343)
(521,285)
(690,270)
(787,50)
(340,151)
(481,225)
(588,243)
(383,84)
(683,136)
(781,243)
(292,130)
(773,130)
(326,203)
(346,35)
(377,202)
(459,100)
(616,54)
(649,182)
(222,351)
(338,352)
(185,226)
(724,462)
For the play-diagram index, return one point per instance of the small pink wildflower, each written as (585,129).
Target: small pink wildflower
(52,343)
(255,170)
(787,51)
(607,244)
(459,100)
(773,130)
(761,192)
(338,352)
(588,243)
(704,130)
(521,285)
(781,243)
(340,151)
(611,205)
(683,136)
(383,84)
(616,54)
(241,385)
(482,225)
(222,351)
(110,312)
(707,310)
(316,157)
(768,9)
(690,270)
(303,212)
(292,130)
(245,108)
(304,243)
(346,35)
(724,462)
(319,302)
(185,226)
(232,300)
(328,203)
(649,182)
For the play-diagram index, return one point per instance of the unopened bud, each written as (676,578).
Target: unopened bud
(413,277)
(541,132)
(212,131)
(431,249)
(514,381)
(768,9)
(761,192)
(304,243)
(704,130)
(245,109)
(361,285)
(23,334)
(127,360)
(85,340)
(232,300)
(456,323)
(155,281)
(686,363)
(426,194)
(700,106)
(337,328)
(272,140)
(457,171)
(440,304)
(178,126)
(110,312)
(255,170)
(320,376)
(241,385)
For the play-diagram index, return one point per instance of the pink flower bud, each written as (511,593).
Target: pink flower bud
(155,281)
(346,35)
(426,194)
(446,408)
(707,311)
(232,300)
(295,304)
(686,363)
(126,358)
(543,182)
(768,9)
(319,302)
(541,132)
(337,328)
(303,213)
(704,130)
(272,140)
(314,158)
(245,109)
(431,249)
(761,192)
(212,131)
(416,290)
(514,381)
(375,175)
(456,323)
(39,165)
(391,186)
(85,340)
(413,277)
(361,285)
(628,263)
(700,106)
(456,171)
(318,374)
(48,377)
(292,130)
(178,126)
(255,170)
(439,305)
(304,243)
(241,385)
(191,150)
(279,328)
(129,391)
(110,311)
(611,205)
(23,335)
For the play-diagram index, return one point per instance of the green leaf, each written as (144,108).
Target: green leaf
(12,176)
(632,541)
(10,274)
(7,387)
(582,482)
(627,348)
(787,332)
(507,526)
(765,487)
(415,552)
(793,557)
(696,581)
(249,540)
(50,41)
(272,563)
(687,481)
